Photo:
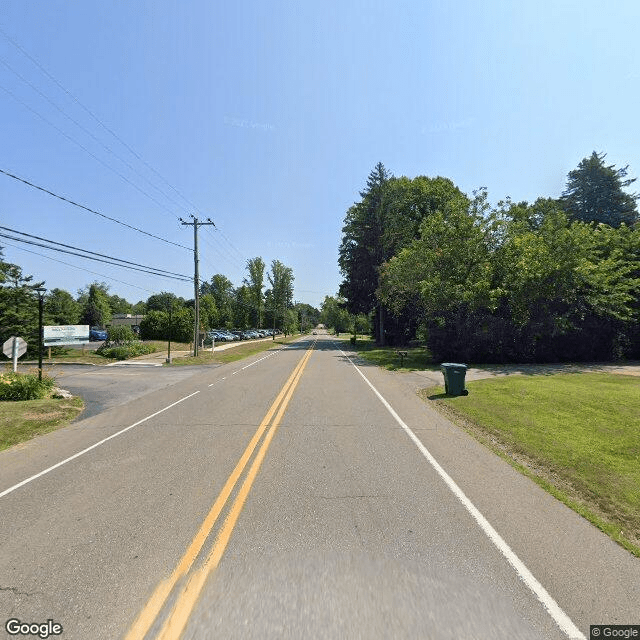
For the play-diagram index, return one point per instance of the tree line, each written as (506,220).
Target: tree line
(262,300)
(553,280)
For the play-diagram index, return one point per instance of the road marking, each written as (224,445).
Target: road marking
(553,609)
(147,616)
(177,620)
(93,446)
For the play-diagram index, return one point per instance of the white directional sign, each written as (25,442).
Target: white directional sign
(8,347)
(66,334)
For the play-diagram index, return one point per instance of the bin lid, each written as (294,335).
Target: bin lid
(453,365)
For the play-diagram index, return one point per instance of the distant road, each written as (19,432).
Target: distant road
(292,495)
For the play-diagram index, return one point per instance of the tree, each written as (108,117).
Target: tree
(162,301)
(255,284)
(60,308)
(308,316)
(18,304)
(362,249)
(222,290)
(334,315)
(119,305)
(95,305)
(208,312)
(281,293)
(243,309)
(594,193)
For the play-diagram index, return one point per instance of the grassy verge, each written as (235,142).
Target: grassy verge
(231,355)
(417,358)
(576,435)
(20,421)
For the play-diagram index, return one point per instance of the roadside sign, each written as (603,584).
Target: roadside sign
(7,347)
(13,348)
(64,335)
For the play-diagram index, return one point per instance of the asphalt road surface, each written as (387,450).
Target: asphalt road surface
(293,495)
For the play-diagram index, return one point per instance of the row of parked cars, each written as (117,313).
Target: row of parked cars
(223,335)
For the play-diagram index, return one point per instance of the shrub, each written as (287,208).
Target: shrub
(120,335)
(125,351)
(24,386)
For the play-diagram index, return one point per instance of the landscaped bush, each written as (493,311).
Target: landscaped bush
(24,386)
(124,351)
(119,335)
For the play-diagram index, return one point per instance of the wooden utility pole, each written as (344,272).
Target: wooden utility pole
(196,285)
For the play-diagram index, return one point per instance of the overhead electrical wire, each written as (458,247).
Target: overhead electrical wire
(112,133)
(68,246)
(79,144)
(91,135)
(117,262)
(104,126)
(74,266)
(102,215)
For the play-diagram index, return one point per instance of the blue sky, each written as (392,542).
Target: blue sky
(268,116)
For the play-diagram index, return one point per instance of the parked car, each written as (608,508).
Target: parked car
(97,334)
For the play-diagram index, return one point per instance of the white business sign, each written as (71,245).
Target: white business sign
(69,334)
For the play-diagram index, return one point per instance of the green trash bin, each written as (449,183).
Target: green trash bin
(454,375)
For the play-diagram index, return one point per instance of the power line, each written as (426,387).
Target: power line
(91,135)
(104,126)
(101,255)
(95,157)
(68,264)
(88,257)
(102,215)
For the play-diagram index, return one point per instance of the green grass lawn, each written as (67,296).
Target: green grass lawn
(577,435)
(417,358)
(231,355)
(22,420)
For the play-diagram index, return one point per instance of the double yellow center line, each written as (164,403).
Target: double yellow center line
(178,617)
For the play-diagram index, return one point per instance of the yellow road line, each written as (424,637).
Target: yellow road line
(147,616)
(177,620)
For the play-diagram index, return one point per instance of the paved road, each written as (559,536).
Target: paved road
(280,497)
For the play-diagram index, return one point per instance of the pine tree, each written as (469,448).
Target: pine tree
(595,193)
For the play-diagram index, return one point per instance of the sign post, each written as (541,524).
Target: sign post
(14,348)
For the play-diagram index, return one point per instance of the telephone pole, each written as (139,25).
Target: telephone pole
(196,285)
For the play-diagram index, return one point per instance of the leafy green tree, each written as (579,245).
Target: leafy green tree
(139,308)
(334,314)
(290,322)
(208,312)
(308,316)
(223,292)
(243,310)
(155,325)
(119,305)
(18,305)
(362,249)
(94,301)
(255,284)
(594,193)
(60,308)
(281,292)
(162,301)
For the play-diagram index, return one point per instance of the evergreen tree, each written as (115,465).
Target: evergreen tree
(60,308)
(595,193)
(362,249)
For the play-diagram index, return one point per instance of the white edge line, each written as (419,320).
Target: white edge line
(560,617)
(93,446)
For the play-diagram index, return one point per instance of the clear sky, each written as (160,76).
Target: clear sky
(268,116)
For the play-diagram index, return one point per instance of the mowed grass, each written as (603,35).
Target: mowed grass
(577,435)
(417,358)
(22,420)
(224,356)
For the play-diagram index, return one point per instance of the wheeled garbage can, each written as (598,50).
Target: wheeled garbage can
(454,375)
